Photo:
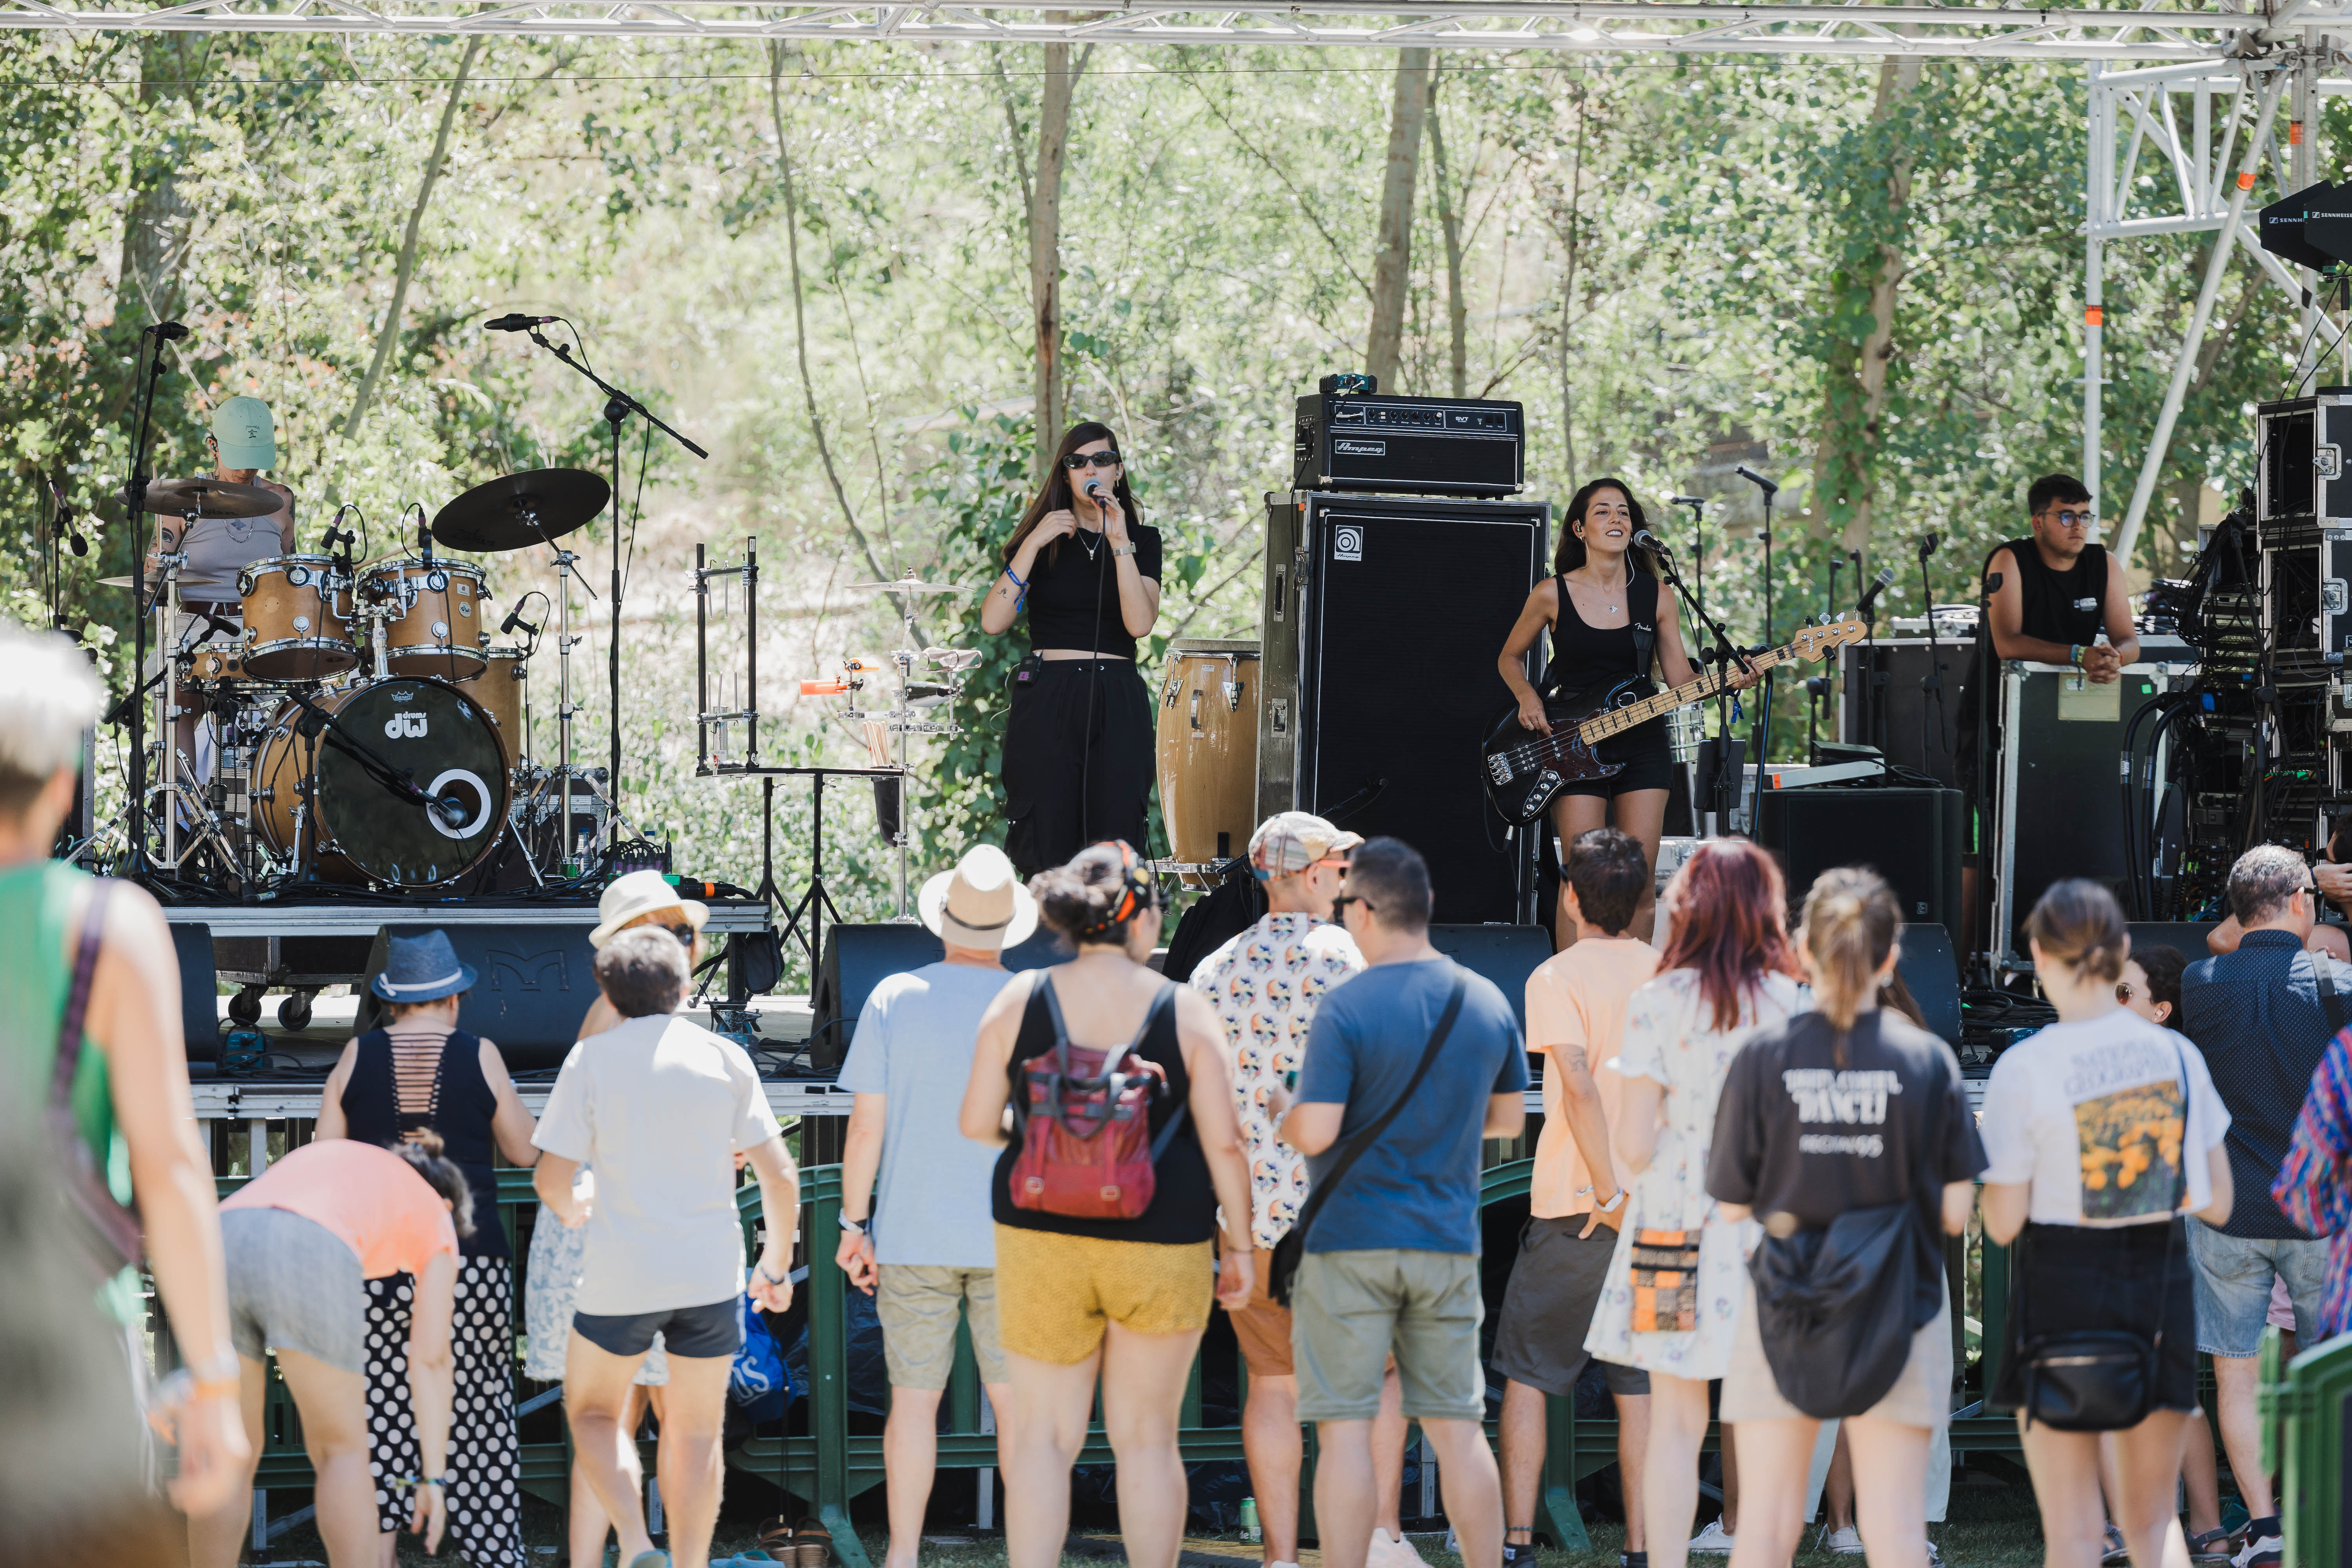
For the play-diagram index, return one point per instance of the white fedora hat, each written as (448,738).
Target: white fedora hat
(641,893)
(981,903)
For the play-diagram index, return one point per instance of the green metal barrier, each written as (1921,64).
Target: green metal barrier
(2306,1415)
(828,1464)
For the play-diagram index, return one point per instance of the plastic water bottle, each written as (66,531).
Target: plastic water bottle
(1250,1531)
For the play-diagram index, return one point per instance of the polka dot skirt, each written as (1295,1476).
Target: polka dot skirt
(485,1460)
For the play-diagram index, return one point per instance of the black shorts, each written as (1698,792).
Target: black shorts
(1556,1282)
(1648,759)
(1078,762)
(716,1330)
(2070,1277)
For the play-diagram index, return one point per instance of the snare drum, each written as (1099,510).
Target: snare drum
(498,691)
(435,627)
(1208,748)
(298,619)
(212,662)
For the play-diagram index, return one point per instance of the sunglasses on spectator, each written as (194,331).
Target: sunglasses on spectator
(2123,991)
(1097,459)
(1339,905)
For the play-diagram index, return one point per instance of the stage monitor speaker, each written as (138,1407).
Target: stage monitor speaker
(1931,968)
(1378,628)
(1911,837)
(199,991)
(857,958)
(1504,955)
(534,983)
(2186,936)
(1882,703)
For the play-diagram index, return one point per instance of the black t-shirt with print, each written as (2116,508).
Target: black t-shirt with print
(1796,1134)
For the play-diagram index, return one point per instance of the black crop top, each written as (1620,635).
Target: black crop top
(1062,584)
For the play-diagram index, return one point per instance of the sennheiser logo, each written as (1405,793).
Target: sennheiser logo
(1360,448)
(1347,543)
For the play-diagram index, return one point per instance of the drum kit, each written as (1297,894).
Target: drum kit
(362,727)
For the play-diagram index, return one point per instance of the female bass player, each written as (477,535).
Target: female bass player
(1079,744)
(1607,614)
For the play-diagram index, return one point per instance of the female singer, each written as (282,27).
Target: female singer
(1603,591)
(1079,744)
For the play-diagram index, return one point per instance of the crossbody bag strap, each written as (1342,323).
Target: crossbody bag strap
(70,1031)
(2329,1007)
(1362,1141)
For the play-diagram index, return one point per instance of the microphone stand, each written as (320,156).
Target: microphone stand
(618,406)
(315,721)
(1723,655)
(134,495)
(1764,715)
(1933,686)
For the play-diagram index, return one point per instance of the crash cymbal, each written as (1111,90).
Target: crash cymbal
(114,581)
(519,510)
(908,584)
(208,498)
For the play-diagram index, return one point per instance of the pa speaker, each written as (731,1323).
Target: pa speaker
(2189,936)
(1930,969)
(199,991)
(1504,955)
(1379,632)
(857,958)
(533,985)
(1910,836)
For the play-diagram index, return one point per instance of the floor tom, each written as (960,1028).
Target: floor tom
(498,691)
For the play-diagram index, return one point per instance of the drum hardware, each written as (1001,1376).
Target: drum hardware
(176,792)
(914,696)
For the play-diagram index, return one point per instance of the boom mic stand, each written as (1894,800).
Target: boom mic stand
(1764,716)
(134,497)
(618,406)
(1725,653)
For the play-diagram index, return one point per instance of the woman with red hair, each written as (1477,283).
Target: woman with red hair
(1675,1286)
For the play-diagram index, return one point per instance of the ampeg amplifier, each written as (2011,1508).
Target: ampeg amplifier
(1418,445)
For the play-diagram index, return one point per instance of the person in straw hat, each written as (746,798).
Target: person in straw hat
(642,899)
(925,1243)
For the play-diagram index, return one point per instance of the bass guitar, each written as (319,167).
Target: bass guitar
(1523,768)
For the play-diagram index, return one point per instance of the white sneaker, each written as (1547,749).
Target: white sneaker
(1847,1542)
(1392,1552)
(1713,1538)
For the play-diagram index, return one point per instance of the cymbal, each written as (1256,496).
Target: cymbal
(518,511)
(908,584)
(114,581)
(208,498)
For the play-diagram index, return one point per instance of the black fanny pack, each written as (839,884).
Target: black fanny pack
(1834,1308)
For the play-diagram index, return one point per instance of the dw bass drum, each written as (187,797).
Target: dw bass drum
(362,830)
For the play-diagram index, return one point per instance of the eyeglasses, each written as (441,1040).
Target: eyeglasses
(685,935)
(2070,519)
(1339,905)
(1076,461)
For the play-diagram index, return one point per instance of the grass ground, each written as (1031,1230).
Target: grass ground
(1991,1525)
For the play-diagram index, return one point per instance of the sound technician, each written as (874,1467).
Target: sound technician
(1078,741)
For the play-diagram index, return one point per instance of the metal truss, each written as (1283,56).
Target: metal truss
(2145,35)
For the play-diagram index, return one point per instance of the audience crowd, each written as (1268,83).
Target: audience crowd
(1752,1159)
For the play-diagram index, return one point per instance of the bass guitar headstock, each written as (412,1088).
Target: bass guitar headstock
(1815,642)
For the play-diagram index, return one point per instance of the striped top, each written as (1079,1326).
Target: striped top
(2315,1186)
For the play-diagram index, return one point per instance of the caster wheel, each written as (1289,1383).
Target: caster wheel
(245,1006)
(294,1013)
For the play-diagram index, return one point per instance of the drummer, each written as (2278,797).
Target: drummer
(243,442)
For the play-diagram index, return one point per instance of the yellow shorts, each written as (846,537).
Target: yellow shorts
(1055,1293)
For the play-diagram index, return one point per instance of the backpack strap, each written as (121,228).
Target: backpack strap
(67,1061)
(2330,1006)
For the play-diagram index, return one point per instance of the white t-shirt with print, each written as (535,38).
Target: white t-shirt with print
(2095,1117)
(1265,985)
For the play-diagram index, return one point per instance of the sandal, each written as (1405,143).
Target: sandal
(776,1538)
(812,1544)
(2213,1546)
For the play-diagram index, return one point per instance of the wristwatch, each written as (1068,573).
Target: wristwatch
(1613,1204)
(1122,550)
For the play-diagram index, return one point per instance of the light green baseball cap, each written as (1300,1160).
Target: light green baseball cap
(247,434)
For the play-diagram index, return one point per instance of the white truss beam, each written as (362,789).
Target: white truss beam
(2148,35)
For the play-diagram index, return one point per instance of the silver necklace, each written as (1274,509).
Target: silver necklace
(1092,543)
(1605,609)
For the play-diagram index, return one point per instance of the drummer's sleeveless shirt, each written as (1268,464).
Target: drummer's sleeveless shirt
(218,548)
(2068,607)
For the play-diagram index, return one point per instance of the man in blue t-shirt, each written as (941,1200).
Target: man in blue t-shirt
(1391,1260)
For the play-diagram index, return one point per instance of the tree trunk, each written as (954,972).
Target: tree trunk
(1457,307)
(1393,250)
(155,225)
(1575,229)
(1854,400)
(1045,246)
(390,336)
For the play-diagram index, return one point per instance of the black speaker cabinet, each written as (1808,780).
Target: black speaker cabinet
(1931,968)
(857,958)
(2188,936)
(199,991)
(532,985)
(1504,955)
(1882,703)
(1378,628)
(1911,837)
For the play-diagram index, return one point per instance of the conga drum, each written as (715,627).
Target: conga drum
(1208,748)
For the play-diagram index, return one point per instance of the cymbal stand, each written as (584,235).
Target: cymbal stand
(176,790)
(562,775)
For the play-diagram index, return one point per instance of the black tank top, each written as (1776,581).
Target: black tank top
(1183,1201)
(1586,660)
(2069,606)
(461,1111)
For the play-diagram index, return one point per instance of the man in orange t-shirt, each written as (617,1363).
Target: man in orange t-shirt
(1576,1011)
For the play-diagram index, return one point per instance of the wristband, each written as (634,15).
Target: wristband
(1122,550)
(760,1271)
(1613,1204)
(2075,655)
(854,1226)
(1021,600)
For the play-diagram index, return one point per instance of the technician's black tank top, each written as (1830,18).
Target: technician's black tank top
(1183,1201)
(2067,607)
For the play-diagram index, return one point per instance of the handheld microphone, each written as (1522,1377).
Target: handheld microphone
(1095,492)
(1870,595)
(169,332)
(1686,500)
(64,523)
(1927,545)
(1753,477)
(514,618)
(518,323)
(1651,542)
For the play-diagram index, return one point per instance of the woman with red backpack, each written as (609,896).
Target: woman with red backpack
(1123,1144)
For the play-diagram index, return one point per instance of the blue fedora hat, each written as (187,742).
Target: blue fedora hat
(422,969)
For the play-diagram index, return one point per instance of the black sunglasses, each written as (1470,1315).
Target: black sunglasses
(1099,459)
(685,935)
(1339,905)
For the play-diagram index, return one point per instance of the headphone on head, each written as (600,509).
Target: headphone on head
(1138,890)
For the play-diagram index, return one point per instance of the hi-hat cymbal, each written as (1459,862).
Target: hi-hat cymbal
(114,581)
(208,498)
(519,510)
(908,584)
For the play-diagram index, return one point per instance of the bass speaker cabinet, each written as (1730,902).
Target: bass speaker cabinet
(534,983)
(1504,955)
(1931,968)
(1378,628)
(857,958)
(1883,701)
(1911,837)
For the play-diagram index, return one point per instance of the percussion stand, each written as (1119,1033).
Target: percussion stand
(176,791)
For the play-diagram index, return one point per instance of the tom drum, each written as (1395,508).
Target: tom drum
(436,629)
(1208,748)
(499,689)
(298,619)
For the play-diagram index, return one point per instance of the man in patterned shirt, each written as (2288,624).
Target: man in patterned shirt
(1266,984)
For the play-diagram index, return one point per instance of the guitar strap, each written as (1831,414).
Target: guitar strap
(1641,614)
